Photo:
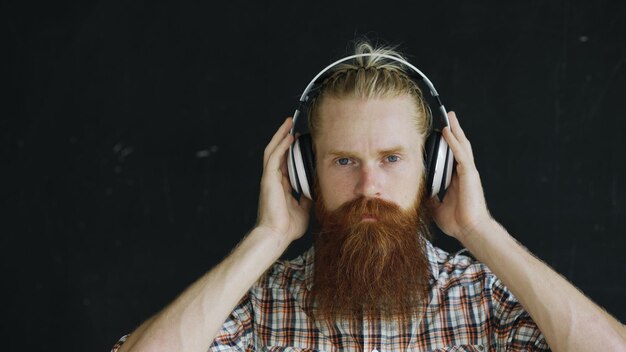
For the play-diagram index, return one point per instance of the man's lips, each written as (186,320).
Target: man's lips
(368,217)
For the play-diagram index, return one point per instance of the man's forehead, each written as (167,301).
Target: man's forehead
(352,104)
(355,125)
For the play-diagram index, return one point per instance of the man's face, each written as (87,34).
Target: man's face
(369,256)
(369,148)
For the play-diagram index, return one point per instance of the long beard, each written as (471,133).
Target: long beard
(369,269)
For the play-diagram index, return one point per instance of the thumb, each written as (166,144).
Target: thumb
(306,203)
(434,203)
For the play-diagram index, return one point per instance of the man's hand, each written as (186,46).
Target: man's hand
(568,320)
(463,208)
(279,212)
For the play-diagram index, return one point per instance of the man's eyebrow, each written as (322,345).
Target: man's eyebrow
(344,153)
(395,150)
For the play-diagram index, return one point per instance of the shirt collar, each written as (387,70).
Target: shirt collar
(309,264)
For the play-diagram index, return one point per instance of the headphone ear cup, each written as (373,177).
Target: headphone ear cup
(308,159)
(291,168)
(439,164)
(430,160)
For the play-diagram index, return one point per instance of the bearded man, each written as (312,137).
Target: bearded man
(373,281)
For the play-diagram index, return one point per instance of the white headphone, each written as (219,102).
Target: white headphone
(438,157)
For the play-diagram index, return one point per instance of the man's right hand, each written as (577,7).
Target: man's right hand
(279,212)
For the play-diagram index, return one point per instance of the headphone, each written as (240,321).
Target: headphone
(438,158)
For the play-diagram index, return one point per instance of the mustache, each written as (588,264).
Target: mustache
(378,211)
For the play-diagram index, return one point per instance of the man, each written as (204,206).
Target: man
(373,281)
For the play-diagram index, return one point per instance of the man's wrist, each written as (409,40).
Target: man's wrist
(277,241)
(478,232)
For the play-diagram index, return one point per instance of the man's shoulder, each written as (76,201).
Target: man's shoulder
(460,266)
(287,273)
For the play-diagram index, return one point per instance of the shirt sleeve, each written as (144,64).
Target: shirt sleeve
(514,328)
(234,335)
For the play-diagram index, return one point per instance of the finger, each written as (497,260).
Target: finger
(305,203)
(284,169)
(276,139)
(276,158)
(456,127)
(463,157)
(286,185)
(457,149)
(458,132)
(434,203)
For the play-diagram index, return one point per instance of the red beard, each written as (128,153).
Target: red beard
(372,268)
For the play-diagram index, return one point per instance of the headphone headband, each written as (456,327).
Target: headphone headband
(305,95)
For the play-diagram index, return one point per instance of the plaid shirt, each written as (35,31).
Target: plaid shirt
(469,309)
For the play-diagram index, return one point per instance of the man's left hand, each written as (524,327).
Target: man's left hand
(463,208)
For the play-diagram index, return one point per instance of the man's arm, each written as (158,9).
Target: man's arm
(568,320)
(191,322)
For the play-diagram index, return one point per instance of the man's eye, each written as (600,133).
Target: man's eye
(343,161)
(392,158)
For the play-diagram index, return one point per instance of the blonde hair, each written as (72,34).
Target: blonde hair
(370,77)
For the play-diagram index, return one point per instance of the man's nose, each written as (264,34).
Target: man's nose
(370,182)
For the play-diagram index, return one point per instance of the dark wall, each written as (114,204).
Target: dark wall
(132,137)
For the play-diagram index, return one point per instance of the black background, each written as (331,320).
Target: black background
(132,138)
